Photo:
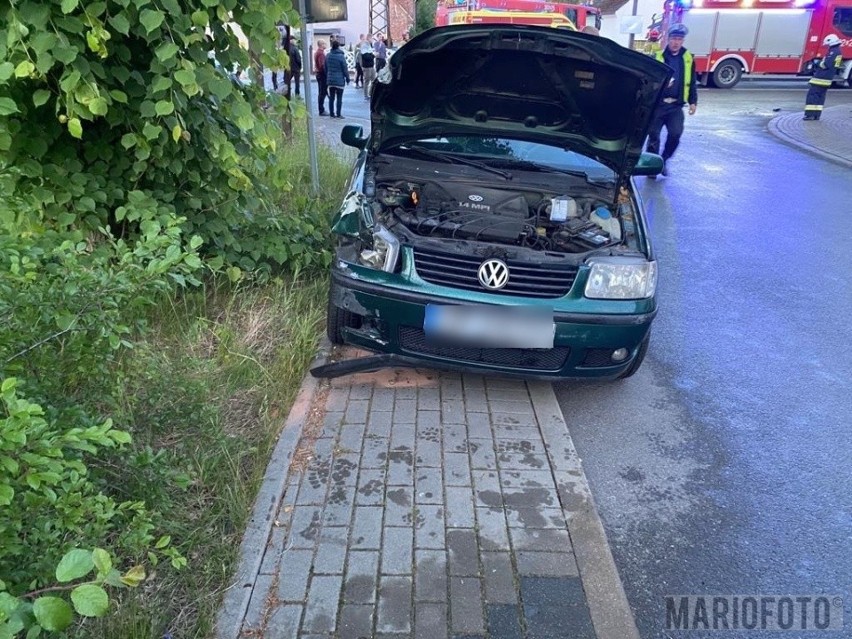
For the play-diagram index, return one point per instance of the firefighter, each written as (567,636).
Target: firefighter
(681,90)
(824,72)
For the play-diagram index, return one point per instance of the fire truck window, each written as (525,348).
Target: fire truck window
(571,14)
(843,21)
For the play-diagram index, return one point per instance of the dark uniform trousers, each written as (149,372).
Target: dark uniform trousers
(671,116)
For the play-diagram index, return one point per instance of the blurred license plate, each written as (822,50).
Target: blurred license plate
(490,326)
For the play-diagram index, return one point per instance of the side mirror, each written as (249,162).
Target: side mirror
(353,135)
(648,164)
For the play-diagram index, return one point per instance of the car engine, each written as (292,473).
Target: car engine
(544,221)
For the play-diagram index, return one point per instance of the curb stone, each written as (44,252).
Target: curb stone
(611,615)
(236,600)
(775,129)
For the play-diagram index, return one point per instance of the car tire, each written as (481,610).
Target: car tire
(727,74)
(637,361)
(337,319)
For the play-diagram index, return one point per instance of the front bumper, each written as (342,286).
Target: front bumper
(392,321)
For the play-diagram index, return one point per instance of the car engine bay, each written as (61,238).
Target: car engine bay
(523,217)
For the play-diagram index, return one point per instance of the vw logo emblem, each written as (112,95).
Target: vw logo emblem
(493,274)
(475,198)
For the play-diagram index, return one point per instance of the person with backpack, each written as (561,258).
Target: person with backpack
(337,74)
(368,64)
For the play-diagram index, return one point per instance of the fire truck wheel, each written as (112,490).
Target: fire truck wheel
(727,74)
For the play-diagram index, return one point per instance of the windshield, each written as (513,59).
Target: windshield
(504,152)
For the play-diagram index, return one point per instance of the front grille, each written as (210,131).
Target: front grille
(525,279)
(552,359)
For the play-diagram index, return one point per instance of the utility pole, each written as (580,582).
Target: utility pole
(307,63)
(632,35)
(379,17)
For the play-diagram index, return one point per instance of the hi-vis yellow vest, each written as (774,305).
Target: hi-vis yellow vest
(687,70)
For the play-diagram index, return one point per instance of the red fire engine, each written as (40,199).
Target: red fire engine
(516,11)
(732,37)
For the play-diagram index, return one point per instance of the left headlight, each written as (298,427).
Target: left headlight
(384,254)
(615,278)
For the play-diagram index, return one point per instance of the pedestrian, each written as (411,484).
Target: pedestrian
(824,72)
(319,71)
(368,64)
(282,44)
(359,71)
(295,73)
(338,77)
(681,90)
(381,49)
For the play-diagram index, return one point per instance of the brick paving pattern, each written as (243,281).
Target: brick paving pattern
(428,505)
(830,136)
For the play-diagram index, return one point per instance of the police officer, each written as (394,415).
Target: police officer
(824,72)
(681,90)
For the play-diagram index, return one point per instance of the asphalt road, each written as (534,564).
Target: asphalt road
(723,466)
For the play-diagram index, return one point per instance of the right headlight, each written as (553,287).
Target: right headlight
(384,254)
(621,278)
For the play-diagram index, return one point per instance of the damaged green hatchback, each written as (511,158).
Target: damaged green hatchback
(491,223)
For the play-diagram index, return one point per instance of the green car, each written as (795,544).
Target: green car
(491,223)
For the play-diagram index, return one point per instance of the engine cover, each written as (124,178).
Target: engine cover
(476,199)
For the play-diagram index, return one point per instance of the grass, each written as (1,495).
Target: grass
(211,392)
(206,397)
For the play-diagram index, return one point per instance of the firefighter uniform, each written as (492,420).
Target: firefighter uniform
(681,90)
(824,72)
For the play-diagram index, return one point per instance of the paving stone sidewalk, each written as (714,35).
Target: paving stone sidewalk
(419,504)
(830,137)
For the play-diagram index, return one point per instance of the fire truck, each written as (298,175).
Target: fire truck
(732,37)
(554,14)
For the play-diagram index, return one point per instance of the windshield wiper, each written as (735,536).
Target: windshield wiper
(546,168)
(455,159)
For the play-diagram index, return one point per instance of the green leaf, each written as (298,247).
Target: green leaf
(34,632)
(6,71)
(151,19)
(133,577)
(40,97)
(75,128)
(90,600)
(6,494)
(8,106)
(8,384)
(128,140)
(24,69)
(164,107)
(120,23)
(200,18)
(166,51)
(52,613)
(151,131)
(8,604)
(69,5)
(195,242)
(162,542)
(118,96)
(176,132)
(113,578)
(75,564)
(98,106)
(185,76)
(102,560)
(122,437)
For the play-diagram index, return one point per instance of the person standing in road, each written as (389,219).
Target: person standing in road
(295,73)
(359,71)
(824,72)
(368,63)
(338,77)
(681,90)
(319,71)
(381,49)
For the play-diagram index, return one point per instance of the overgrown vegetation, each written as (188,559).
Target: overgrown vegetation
(158,303)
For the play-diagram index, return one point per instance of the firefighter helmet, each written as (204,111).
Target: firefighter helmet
(831,40)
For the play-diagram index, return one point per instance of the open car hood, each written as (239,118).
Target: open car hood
(567,89)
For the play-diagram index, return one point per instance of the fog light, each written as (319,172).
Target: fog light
(620,354)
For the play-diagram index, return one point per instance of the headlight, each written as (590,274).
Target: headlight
(614,278)
(384,253)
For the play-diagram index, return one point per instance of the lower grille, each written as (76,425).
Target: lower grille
(596,357)
(414,340)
